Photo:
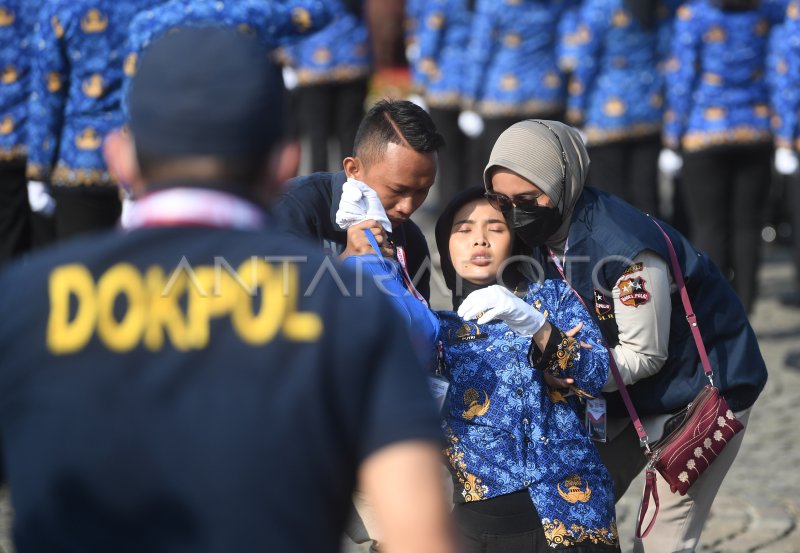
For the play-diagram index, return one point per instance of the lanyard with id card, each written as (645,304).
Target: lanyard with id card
(596,419)
(438,383)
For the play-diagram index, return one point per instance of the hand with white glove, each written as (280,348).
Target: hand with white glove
(290,78)
(418,100)
(498,302)
(470,123)
(40,200)
(360,203)
(786,161)
(670,162)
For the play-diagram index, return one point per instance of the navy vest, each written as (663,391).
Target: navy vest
(605,235)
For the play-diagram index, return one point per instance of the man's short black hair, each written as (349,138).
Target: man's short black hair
(395,122)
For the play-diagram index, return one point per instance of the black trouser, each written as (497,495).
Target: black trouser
(330,110)
(15,213)
(628,169)
(459,167)
(726,191)
(84,209)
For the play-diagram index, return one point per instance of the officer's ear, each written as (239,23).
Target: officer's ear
(119,152)
(282,165)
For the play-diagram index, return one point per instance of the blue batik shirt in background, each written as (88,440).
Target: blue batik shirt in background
(511,67)
(506,434)
(616,92)
(340,52)
(274,23)
(76,80)
(442,28)
(784,67)
(17,19)
(717,90)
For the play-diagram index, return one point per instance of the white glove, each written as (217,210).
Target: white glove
(40,200)
(290,78)
(498,302)
(419,100)
(125,217)
(470,123)
(785,161)
(670,162)
(360,203)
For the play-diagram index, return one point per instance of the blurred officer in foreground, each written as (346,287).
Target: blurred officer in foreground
(155,396)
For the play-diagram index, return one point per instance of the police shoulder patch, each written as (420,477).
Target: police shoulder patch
(633,292)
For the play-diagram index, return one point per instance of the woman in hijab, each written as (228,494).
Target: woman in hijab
(526,474)
(615,258)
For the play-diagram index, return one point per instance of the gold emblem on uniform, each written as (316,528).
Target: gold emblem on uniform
(684,12)
(428,66)
(715,34)
(793,12)
(7,125)
(574,493)
(94,21)
(712,78)
(620,19)
(53,82)
(93,86)
(301,18)
(656,100)
(130,65)
(88,139)
(58,29)
(435,21)
(672,65)
(474,407)
(10,75)
(614,107)
(552,80)
(714,114)
(781,67)
(761,28)
(575,86)
(509,82)
(7,17)
(322,55)
(761,110)
(512,40)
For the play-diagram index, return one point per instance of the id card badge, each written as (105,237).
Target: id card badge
(439,386)
(596,419)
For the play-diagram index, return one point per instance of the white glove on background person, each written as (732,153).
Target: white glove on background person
(40,200)
(419,100)
(127,210)
(290,78)
(470,123)
(786,161)
(360,203)
(670,162)
(498,302)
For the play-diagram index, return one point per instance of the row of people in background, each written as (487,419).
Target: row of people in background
(648,83)
(64,65)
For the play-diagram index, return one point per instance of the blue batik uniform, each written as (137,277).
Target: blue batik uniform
(784,66)
(506,433)
(339,52)
(568,38)
(76,81)
(512,67)
(442,30)
(17,19)
(617,91)
(729,102)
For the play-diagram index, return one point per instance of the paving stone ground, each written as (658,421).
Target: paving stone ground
(758,507)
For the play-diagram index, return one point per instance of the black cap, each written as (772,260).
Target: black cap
(206,91)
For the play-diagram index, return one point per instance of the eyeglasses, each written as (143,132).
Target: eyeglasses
(504,203)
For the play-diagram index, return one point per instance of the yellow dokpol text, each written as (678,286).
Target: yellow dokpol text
(155,306)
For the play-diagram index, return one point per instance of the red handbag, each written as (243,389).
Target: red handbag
(695,436)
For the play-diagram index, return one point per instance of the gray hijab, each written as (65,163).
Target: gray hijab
(552,156)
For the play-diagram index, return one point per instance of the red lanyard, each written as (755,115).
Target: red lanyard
(401,258)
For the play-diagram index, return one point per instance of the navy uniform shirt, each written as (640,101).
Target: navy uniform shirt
(308,209)
(146,406)
(76,82)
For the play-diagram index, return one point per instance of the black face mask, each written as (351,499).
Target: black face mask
(533,225)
